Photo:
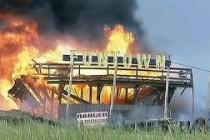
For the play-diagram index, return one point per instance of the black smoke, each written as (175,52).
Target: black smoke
(85,18)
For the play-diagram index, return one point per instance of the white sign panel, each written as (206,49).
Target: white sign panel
(92,118)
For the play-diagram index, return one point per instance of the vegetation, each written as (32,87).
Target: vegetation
(35,130)
(17,128)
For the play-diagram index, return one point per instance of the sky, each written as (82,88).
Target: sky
(181,28)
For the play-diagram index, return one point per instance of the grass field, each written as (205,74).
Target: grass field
(35,130)
(16,125)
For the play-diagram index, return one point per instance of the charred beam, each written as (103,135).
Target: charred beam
(90,94)
(21,92)
(183,90)
(99,90)
(74,97)
(126,94)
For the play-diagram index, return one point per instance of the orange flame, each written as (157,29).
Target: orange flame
(20,44)
(119,40)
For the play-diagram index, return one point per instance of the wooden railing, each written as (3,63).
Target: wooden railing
(58,71)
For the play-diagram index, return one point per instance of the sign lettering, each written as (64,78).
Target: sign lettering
(104,59)
(92,118)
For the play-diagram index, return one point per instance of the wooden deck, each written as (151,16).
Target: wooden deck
(57,73)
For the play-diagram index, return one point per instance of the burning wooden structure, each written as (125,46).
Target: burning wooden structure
(133,88)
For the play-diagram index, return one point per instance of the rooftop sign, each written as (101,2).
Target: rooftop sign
(105,59)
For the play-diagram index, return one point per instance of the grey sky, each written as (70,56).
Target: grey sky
(181,28)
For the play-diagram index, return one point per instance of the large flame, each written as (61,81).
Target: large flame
(20,44)
(119,40)
(16,35)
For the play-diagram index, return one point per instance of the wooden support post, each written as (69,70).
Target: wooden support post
(99,90)
(166,95)
(59,93)
(137,72)
(113,91)
(90,94)
(70,90)
(48,72)
(98,94)
(79,70)
(135,93)
(81,93)
(126,94)
(171,93)
(40,68)
(118,93)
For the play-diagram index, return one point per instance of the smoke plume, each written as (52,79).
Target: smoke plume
(80,18)
(32,27)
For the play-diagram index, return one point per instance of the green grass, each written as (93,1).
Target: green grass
(35,130)
(22,126)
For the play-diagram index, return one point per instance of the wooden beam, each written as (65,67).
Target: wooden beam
(81,93)
(126,94)
(60,92)
(135,94)
(99,90)
(90,94)
(75,97)
(118,92)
